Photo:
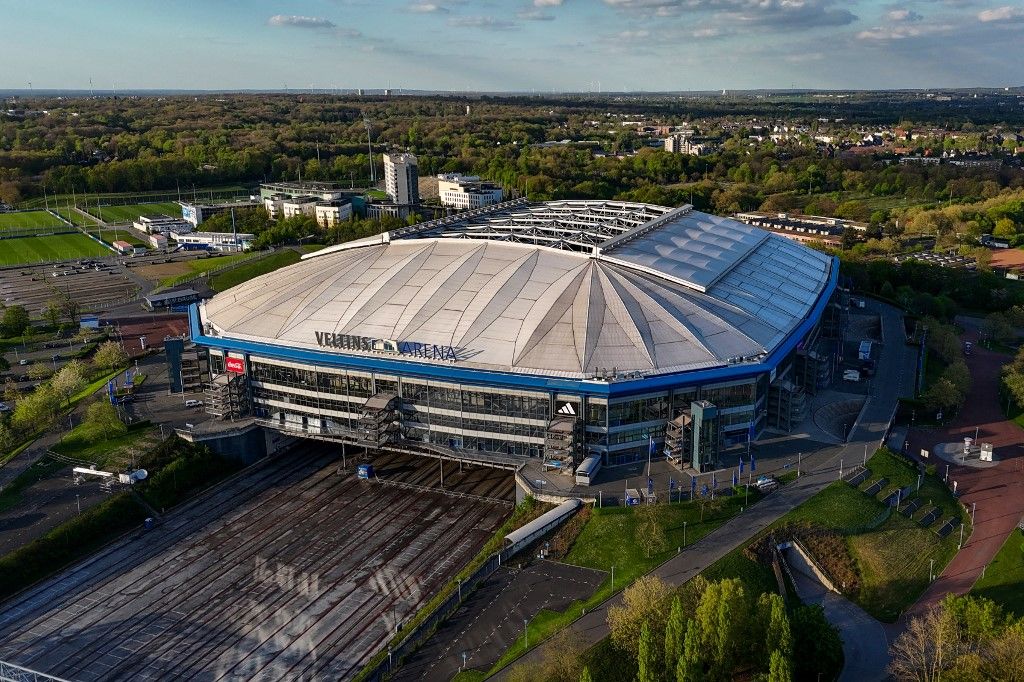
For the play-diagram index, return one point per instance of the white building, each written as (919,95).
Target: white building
(216,241)
(156,224)
(466,191)
(402,178)
(158,241)
(297,206)
(682,144)
(379,210)
(330,213)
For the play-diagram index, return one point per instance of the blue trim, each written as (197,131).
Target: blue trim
(525,381)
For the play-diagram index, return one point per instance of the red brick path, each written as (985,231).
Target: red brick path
(998,491)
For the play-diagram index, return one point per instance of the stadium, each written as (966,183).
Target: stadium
(562,331)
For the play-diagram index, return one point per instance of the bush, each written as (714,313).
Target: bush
(181,469)
(67,543)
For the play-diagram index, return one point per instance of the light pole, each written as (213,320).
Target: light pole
(684,533)
(78,503)
(974,507)
(799,455)
(961,543)
(931,572)
(840,469)
(526,634)
(613,577)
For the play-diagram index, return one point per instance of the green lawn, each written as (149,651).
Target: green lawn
(130,212)
(110,236)
(75,218)
(1003,581)
(247,271)
(219,193)
(49,248)
(24,220)
(84,443)
(201,266)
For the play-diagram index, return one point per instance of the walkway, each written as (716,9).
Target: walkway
(998,492)
(895,378)
(865,647)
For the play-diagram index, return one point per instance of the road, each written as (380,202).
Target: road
(895,378)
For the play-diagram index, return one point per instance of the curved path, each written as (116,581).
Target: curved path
(997,492)
(865,647)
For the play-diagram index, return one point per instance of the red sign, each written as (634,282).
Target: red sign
(236,365)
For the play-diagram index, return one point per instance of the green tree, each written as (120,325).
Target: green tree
(101,422)
(39,371)
(69,380)
(650,535)
(723,615)
(778,668)
(646,601)
(818,643)
(675,630)
(646,656)
(37,410)
(1004,229)
(53,312)
(15,321)
(771,608)
(585,675)
(109,355)
(691,664)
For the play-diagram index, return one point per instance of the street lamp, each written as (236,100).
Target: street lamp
(684,533)
(526,634)
(931,572)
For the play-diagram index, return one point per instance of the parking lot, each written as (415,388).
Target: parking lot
(293,570)
(34,287)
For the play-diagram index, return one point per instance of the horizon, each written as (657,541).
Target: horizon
(539,46)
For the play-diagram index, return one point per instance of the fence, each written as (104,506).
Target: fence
(204,274)
(445,609)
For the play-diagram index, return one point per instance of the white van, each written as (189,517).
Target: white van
(193,403)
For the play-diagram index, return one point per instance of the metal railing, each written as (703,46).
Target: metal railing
(15,673)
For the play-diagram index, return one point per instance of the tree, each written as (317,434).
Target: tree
(723,615)
(15,321)
(649,532)
(39,371)
(69,380)
(109,355)
(675,630)
(11,393)
(585,675)
(778,668)
(6,438)
(818,643)
(1004,229)
(4,365)
(102,421)
(36,410)
(777,636)
(53,313)
(646,656)
(926,648)
(645,601)
(691,664)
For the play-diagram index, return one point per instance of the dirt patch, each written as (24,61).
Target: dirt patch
(155,273)
(1008,258)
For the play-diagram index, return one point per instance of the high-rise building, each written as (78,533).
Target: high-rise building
(401,178)
(466,191)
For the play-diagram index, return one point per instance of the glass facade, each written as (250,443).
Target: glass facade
(476,418)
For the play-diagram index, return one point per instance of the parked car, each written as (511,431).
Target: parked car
(851,375)
(193,403)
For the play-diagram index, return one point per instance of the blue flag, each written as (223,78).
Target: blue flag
(714,481)
(671,483)
(735,479)
(753,464)
(704,490)
(693,484)
(650,485)
(650,445)
(741,465)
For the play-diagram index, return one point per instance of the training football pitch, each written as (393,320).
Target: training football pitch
(131,212)
(23,250)
(28,220)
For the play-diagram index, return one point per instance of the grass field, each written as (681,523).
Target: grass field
(220,193)
(201,266)
(28,220)
(75,218)
(243,273)
(23,250)
(1003,581)
(83,442)
(110,236)
(130,212)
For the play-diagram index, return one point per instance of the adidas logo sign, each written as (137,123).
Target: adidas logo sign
(568,409)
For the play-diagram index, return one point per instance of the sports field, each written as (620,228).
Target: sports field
(22,250)
(130,212)
(25,220)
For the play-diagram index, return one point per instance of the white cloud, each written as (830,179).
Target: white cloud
(902,31)
(482,22)
(1004,13)
(779,14)
(547,3)
(426,8)
(535,15)
(300,21)
(899,15)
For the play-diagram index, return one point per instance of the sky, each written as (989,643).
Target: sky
(511,45)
